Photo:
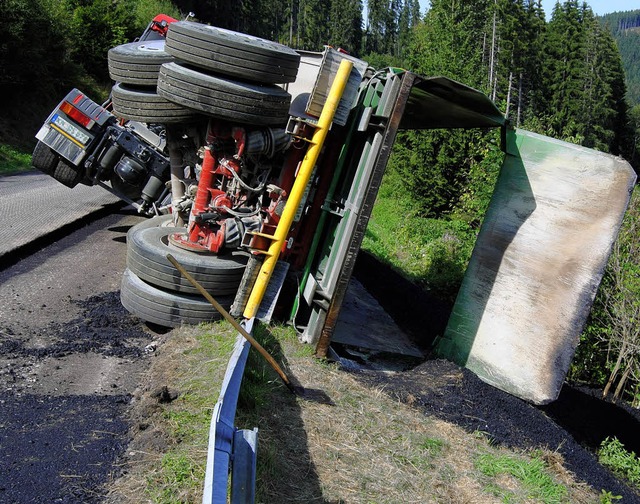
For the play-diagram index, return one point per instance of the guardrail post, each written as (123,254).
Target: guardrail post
(222,434)
(243,476)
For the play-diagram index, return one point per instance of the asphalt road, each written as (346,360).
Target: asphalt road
(33,205)
(70,355)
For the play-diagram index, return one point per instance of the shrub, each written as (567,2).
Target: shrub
(623,463)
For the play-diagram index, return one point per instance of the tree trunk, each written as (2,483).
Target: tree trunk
(622,382)
(492,53)
(509,94)
(519,113)
(616,369)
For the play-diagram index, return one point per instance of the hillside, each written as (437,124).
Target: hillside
(625,28)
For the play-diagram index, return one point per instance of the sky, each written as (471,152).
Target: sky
(597,6)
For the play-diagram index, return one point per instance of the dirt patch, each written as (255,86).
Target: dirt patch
(59,358)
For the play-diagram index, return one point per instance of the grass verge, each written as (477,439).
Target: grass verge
(368,447)
(534,481)
(624,464)
(365,447)
(13,160)
(170,417)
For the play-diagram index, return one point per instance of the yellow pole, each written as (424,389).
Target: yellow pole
(297,191)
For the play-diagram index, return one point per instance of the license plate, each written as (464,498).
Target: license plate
(68,128)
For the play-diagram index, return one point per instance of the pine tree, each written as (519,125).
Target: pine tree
(346,25)
(314,22)
(565,70)
(449,42)
(408,18)
(436,166)
(584,83)
(633,153)
(530,83)
(625,28)
(377,15)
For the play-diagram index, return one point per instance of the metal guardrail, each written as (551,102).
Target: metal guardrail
(232,451)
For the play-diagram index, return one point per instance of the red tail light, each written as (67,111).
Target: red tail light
(76,115)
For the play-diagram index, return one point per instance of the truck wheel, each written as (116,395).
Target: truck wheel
(44,158)
(67,174)
(168,309)
(231,53)
(222,97)
(144,105)
(137,63)
(147,249)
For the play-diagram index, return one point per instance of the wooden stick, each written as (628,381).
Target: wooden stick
(233,322)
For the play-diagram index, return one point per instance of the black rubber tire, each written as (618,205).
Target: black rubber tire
(147,249)
(68,174)
(164,308)
(145,105)
(137,63)
(222,97)
(44,158)
(232,53)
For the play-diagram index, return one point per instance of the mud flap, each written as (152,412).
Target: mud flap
(538,260)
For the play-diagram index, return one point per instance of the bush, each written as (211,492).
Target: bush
(612,454)
(448,170)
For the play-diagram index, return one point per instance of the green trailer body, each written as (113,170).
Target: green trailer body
(537,264)
(539,257)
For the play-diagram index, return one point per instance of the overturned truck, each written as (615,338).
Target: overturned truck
(259,166)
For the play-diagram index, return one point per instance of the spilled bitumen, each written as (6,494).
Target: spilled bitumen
(104,327)
(59,449)
(64,449)
(574,425)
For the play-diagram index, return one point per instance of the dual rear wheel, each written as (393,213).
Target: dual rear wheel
(201,69)
(154,290)
(48,161)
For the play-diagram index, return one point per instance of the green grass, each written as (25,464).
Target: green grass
(431,252)
(536,481)
(13,160)
(624,464)
(197,377)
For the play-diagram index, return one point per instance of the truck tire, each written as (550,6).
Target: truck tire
(67,174)
(222,97)
(231,53)
(145,105)
(147,249)
(44,158)
(164,308)
(137,63)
